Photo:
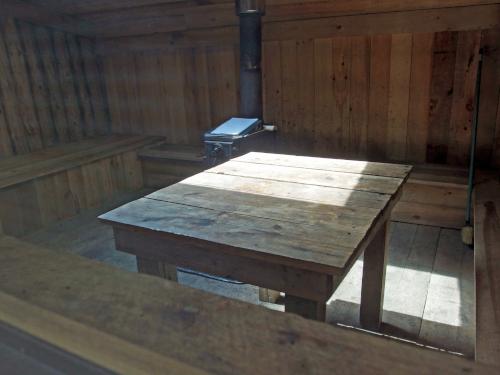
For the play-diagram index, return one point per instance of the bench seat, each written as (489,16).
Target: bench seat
(132,323)
(55,183)
(167,164)
(487,269)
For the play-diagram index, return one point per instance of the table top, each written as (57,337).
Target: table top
(317,212)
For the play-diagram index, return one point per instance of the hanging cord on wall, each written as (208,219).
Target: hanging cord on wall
(208,276)
(468,230)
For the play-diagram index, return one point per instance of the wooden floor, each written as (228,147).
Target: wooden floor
(429,295)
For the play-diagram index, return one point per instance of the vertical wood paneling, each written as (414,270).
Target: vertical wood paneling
(22,90)
(41,96)
(341,93)
(360,89)
(81,87)
(46,51)
(399,93)
(418,108)
(10,104)
(117,104)
(443,66)
(202,94)
(495,160)
(5,139)
(401,97)
(223,83)
(379,95)
(305,95)
(44,90)
(188,72)
(463,96)
(490,96)
(323,97)
(92,69)
(271,72)
(289,125)
(68,87)
(135,124)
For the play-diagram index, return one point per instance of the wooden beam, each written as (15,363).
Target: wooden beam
(90,6)
(162,19)
(213,37)
(43,17)
(289,9)
(436,20)
(170,16)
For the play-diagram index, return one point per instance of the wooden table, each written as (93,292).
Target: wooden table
(289,223)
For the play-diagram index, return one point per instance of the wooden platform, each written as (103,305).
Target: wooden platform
(424,262)
(140,324)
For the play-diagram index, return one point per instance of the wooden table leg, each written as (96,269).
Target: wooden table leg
(306,308)
(372,289)
(155,268)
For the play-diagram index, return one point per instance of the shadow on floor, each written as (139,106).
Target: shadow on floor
(402,326)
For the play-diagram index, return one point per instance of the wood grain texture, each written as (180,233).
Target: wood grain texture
(377,97)
(283,17)
(45,89)
(43,187)
(418,108)
(198,212)
(153,325)
(486,252)
(373,284)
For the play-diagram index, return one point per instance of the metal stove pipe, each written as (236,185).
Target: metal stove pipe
(250,13)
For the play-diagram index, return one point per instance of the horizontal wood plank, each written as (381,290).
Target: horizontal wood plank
(288,277)
(290,190)
(260,236)
(349,181)
(460,18)
(152,325)
(291,210)
(334,165)
(46,162)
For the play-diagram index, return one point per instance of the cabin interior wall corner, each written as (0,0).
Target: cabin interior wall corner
(51,90)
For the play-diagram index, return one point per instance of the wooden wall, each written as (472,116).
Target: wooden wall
(51,88)
(401,97)
(179,94)
(379,80)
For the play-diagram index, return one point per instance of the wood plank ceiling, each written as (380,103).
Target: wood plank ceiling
(111,19)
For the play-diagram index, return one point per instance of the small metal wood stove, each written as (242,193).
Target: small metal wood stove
(239,135)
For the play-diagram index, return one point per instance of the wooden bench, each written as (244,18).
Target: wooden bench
(167,164)
(42,187)
(487,268)
(132,323)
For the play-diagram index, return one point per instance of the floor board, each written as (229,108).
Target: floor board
(429,295)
